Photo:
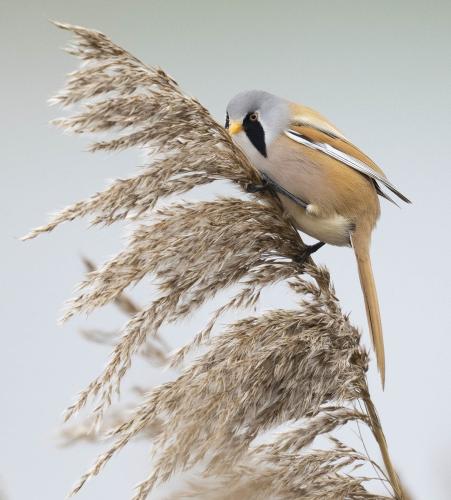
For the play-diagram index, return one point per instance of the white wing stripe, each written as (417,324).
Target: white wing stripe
(346,159)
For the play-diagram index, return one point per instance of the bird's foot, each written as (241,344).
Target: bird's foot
(308,250)
(268,184)
(257,188)
(313,248)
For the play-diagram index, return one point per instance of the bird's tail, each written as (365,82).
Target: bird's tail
(361,249)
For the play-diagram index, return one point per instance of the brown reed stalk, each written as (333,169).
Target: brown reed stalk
(303,365)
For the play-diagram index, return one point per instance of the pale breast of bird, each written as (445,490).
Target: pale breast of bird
(301,176)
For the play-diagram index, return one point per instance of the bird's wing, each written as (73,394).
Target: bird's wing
(312,130)
(308,117)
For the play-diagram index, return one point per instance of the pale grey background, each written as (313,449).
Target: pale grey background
(380,70)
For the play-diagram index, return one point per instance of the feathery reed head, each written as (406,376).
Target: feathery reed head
(304,365)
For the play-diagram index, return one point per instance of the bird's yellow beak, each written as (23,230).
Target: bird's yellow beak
(235,127)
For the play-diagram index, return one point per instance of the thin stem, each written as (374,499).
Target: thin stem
(379,435)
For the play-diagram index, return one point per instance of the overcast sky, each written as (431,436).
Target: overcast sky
(379,70)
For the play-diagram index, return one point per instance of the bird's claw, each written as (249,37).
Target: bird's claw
(308,250)
(256,188)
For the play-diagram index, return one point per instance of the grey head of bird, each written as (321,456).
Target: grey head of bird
(256,118)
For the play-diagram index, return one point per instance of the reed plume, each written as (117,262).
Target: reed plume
(303,365)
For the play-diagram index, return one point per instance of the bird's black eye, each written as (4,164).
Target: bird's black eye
(227,121)
(253,117)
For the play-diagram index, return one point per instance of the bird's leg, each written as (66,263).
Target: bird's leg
(270,184)
(257,188)
(308,250)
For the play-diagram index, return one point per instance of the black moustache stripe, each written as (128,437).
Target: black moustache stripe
(255,133)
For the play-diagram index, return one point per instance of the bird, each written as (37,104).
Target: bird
(328,186)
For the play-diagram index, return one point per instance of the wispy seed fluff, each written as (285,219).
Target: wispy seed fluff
(305,366)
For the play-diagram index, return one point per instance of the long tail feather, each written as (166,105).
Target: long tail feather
(361,248)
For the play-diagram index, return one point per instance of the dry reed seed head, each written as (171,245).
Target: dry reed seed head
(185,250)
(155,350)
(155,354)
(263,473)
(261,371)
(193,243)
(87,431)
(196,149)
(258,374)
